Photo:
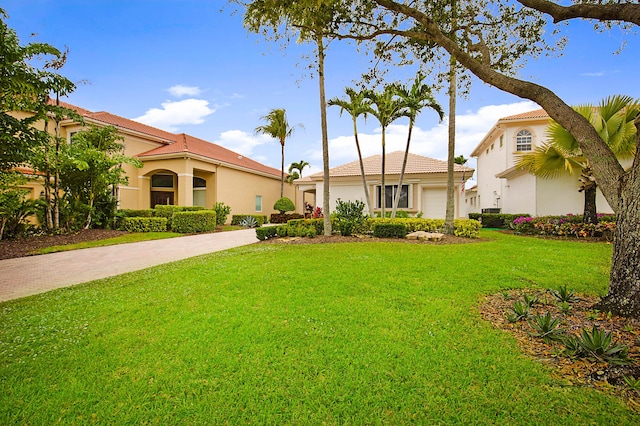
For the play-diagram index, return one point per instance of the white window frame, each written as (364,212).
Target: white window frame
(524,140)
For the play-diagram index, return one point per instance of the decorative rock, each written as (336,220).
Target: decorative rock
(425,236)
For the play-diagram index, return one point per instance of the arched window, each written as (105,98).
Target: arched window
(524,140)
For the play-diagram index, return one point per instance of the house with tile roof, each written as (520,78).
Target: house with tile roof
(424,186)
(182,170)
(502,187)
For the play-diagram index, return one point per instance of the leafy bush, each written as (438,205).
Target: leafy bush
(136,213)
(284,205)
(237,218)
(598,345)
(144,224)
(222,211)
(349,215)
(189,222)
(167,210)
(390,230)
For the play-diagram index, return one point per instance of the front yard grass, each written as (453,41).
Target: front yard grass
(354,333)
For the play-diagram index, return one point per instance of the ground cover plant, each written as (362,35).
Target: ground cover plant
(352,333)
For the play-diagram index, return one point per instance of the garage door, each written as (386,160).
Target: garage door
(434,203)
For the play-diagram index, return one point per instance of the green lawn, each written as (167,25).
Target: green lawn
(365,333)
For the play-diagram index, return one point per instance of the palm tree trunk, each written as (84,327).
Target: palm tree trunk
(448,221)
(396,198)
(282,170)
(383,192)
(364,178)
(590,214)
(325,138)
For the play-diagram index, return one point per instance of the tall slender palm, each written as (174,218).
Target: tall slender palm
(414,99)
(613,119)
(277,127)
(357,105)
(388,108)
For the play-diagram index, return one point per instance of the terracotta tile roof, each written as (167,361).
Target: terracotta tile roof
(177,143)
(415,164)
(539,113)
(185,143)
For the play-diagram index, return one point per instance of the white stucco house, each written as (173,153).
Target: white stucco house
(424,187)
(501,185)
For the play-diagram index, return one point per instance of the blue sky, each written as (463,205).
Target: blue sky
(186,66)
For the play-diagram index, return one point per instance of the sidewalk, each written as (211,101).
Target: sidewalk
(37,274)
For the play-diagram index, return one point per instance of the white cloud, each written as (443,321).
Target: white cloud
(593,74)
(242,142)
(174,114)
(471,127)
(181,90)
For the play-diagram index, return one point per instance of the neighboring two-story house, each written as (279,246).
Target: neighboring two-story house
(502,187)
(182,170)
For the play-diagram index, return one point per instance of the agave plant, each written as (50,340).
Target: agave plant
(598,345)
(564,295)
(531,301)
(249,222)
(519,311)
(546,327)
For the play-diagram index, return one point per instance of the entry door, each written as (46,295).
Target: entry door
(161,197)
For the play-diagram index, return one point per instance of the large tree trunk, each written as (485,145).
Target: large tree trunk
(282,170)
(623,297)
(325,138)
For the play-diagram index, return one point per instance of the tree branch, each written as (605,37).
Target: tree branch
(607,169)
(624,12)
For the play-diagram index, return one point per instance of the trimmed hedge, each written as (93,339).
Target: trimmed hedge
(296,230)
(496,220)
(284,218)
(144,224)
(462,227)
(135,213)
(565,226)
(389,230)
(237,218)
(189,222)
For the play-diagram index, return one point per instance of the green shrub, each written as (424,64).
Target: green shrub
(349,215)
(475,216)
(136,213)
(389,230)
(284,205)
(563,226)
(466,228)
(189,222)
(144,224)
(266,232)
(237,218)
(222,211)
(498,220)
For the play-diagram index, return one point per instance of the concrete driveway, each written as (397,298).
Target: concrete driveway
(37,274)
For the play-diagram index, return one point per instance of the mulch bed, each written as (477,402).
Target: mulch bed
(576,372)
(21,247)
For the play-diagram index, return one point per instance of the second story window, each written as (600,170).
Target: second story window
(524,140)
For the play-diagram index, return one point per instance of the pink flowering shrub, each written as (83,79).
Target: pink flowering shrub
(565,226)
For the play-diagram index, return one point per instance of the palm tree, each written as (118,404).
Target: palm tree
(414,99)
(613,119)
(295,170)
(357,105)
(388,108)
(277,127)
